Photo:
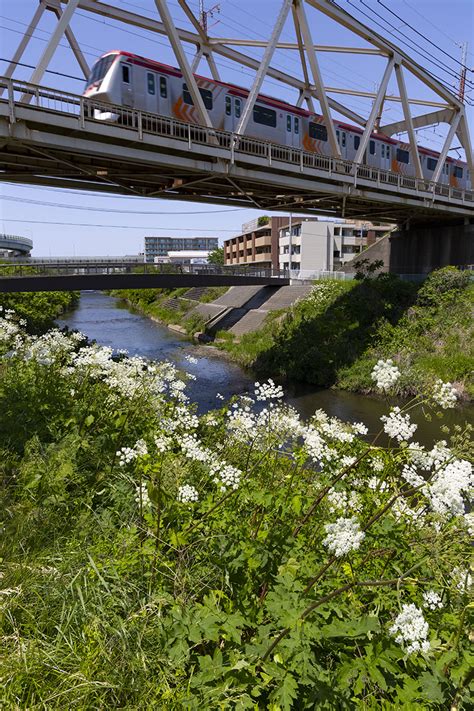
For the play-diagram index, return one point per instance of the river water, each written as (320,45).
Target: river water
(111,323)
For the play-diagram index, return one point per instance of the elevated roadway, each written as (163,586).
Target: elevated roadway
(56,140)
(16,244)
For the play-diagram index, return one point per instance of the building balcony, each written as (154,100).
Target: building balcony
(263,241)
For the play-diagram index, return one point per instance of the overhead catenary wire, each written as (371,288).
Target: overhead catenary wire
(117,227)
(87,208)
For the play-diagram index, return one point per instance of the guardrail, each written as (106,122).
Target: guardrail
(144,122)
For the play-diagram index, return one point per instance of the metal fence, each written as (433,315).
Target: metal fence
(143,122)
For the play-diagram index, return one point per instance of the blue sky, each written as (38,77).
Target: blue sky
(446,24)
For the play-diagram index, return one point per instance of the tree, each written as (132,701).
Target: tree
(216,256)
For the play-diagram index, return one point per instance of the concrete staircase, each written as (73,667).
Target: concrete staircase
(282,298)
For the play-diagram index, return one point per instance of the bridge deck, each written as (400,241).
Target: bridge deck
(99,282)
(56,140)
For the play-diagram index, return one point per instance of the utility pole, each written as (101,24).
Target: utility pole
(290,243)
(203,14)
(462,78)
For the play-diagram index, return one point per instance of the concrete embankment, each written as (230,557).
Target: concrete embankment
(243,309)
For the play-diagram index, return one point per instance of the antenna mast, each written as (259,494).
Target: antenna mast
(204,14)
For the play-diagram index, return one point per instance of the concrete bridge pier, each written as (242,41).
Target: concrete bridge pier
(420,248)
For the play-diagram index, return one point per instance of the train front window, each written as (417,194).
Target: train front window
(100,69)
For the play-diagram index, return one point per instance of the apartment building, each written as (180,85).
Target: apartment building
(257,243)
(324,245)
(160,246)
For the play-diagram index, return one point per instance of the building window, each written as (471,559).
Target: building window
(318,132)
(237,108)
(125,74)
(457,171)
(403,156)
(372,148)
(163,88)
(265,116)
(150,83)
(356,142)
(228,106)
(206,96)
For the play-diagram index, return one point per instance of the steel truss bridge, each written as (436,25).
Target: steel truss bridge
(71,276)
(50,137)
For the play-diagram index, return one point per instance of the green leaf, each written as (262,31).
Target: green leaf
(285,694)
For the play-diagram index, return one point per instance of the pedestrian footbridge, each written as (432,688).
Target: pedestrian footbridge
(68,276)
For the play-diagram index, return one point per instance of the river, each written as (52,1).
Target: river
(111,323)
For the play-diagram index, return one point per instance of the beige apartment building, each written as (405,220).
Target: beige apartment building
(257,244)
(324,245)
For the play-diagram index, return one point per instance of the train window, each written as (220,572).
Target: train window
(288,122)
(125,74)
(343,137)
(163,88)
(228,105)
(356,142)
(150,83)
(372,148)
(317,131)
(403,156)
(457,171)
(338,136)
(431,163)
(205,94)
(297,125)
(387,151)
(383,150)
(100,69)
(265,116)
(446,168)
(237,108)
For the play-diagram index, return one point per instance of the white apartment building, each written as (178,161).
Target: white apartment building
(323,245)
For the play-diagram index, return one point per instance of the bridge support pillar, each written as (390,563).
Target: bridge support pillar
(422,248)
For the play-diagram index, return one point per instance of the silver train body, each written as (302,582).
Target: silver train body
(132,81)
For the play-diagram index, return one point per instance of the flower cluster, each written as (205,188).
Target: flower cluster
(410,630)
(343,536)
(127,455)
(432,600)
(385,374)
(187,494)
(268,391)
(462,579)
(444,394)
(448,486)
(143,496)
(398,426)
(227,476)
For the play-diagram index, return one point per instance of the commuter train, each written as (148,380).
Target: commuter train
(128,80)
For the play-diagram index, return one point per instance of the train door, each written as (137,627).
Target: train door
(292,132)
(163,94)
(342,140)
(385,156)
(127,92)
(233,111)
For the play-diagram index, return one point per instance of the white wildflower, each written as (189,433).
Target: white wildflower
(191,359)
(343,501)
(444,394)
(462,579)
(268,391)
(187,494)
(410,630)
(469,523)
(411,476)
(226,475)
(398,425)
(385,374)
(193,449)
(448,486)
(163,443)
(343,536)
(142,496)
(432,600)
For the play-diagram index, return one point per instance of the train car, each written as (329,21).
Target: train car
(131,81)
